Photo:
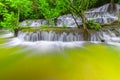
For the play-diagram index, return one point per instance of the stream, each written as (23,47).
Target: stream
(49,45)
(51,55)
(57,60)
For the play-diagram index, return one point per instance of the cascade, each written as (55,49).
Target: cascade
(101,14)
(50,36)
(109,34)
(59,39)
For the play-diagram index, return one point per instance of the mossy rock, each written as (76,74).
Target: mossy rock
(56,29)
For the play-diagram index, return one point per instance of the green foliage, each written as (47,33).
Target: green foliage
(35,9)
(51,8)
(64,26)
(28,23)
(43,25)
(119,1)
(92,21)
(21,6)
(11,12)
(24,5)
(51,21)
(95,26)
(78,8)
(9,21)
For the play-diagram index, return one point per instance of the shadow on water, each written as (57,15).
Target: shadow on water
(93,62)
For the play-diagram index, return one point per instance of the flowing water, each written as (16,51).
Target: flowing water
(51,55)
(51,41)
(111,34)
(22,60)
(102,14)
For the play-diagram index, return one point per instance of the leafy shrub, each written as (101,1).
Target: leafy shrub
(92,21)
(94,25)
(28,23)
(64,26)
(9,21)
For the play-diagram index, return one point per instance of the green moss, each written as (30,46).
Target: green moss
(56,29)
(67,30)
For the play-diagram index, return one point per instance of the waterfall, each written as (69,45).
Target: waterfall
(101,14)
(104,14)
(50,36)
(102,35)
(34,23)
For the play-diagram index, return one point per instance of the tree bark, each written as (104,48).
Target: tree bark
(82,15)
(119,17)
(73,17)
(75,21)
(112,5)
(86,34)
(85,25)
(17,24)
(16,32)
(18,17)
(112,2)
(55,21)
(84,21)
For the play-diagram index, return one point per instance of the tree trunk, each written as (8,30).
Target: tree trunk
(84,21)
(17,24)
(75,21)
(18,17)
(55,21)
(119,17)
(16,32)
(85,25)
(85,34)
(34,6)
(73,17)
(112,3)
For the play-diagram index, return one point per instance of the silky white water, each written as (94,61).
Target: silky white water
(101,14)
(51,40)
